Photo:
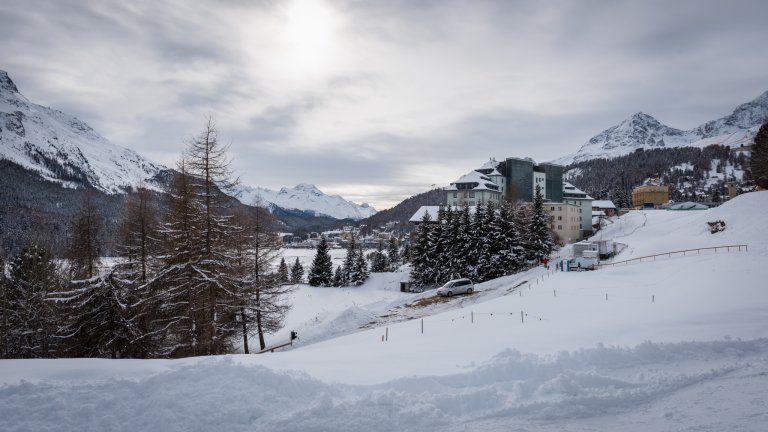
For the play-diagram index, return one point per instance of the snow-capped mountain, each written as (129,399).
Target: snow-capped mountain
(62,148)
(307,197)
(643,131)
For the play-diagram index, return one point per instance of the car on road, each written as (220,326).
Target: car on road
(456,286)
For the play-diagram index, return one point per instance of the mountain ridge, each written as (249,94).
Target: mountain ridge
(65,150)
(643,131)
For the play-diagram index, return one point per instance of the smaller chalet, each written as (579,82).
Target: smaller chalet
(605,206)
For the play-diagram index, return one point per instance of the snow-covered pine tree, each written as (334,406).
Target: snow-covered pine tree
(379,262)
(321,270)
(422,272)
(540,237)
(83,251)
(4,310)
(490,256)
(139,245)
(465,244)
(98,318)
(215,270)
(138,230)
(297,272)
(758,164)
(30,317)
(282,272)
(173,295)
(338,279)
(262,300)
(440,246)
(455,252)
(393,254)
(512,253)
(360,273)
(479,258)
(348,266)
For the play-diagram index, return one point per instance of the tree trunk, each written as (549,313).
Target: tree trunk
(245,330)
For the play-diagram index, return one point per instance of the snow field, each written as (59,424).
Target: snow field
(695,358)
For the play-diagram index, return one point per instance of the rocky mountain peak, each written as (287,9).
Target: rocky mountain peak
(6,83)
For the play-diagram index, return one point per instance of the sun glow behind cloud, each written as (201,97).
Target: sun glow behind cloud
(310,38)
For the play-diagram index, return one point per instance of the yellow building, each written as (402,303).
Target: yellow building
(649,195)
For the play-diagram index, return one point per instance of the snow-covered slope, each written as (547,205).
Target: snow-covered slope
(643,131)
(672,344)
(307,197)
(62,148)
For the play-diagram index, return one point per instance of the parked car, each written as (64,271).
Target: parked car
(456,286)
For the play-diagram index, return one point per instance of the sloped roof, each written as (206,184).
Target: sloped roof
(688,206)
(483,182)
(571,189)
(603,204)
(490,164)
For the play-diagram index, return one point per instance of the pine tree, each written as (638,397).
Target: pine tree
(29,314)
(758,164)
(422,273)
(282,272)
(83,252)
(4,311)
(379,262)
(393,254)
(140,237)
(512,253)
(348,266)
(456,253)
(297,272)
(360,272)
(215,270)
(540,237)
(321,270)
(99,319)
(262,300)
(173,297)
(338,279)
(140,240)
(465,243)
(439,246)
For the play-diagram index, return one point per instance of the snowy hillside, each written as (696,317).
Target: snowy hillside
(644,131)
(672,343)
(307,197)
(62,148)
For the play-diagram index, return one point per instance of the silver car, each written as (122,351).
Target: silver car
(456,286)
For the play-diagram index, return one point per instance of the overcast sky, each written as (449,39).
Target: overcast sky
(378,100)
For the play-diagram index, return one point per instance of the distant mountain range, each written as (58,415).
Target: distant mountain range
(308,198)
(642,131)
(63,149)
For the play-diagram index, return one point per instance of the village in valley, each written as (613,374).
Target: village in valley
(332,215)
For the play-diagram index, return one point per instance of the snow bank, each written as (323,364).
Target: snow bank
(590,386)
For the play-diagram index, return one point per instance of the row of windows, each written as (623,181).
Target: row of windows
(560,227)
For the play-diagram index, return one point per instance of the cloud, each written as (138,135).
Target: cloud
(381,99)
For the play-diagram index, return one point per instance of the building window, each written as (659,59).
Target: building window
(559,227)
(455,194)
(559,209)
(559,218)
(471,194)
